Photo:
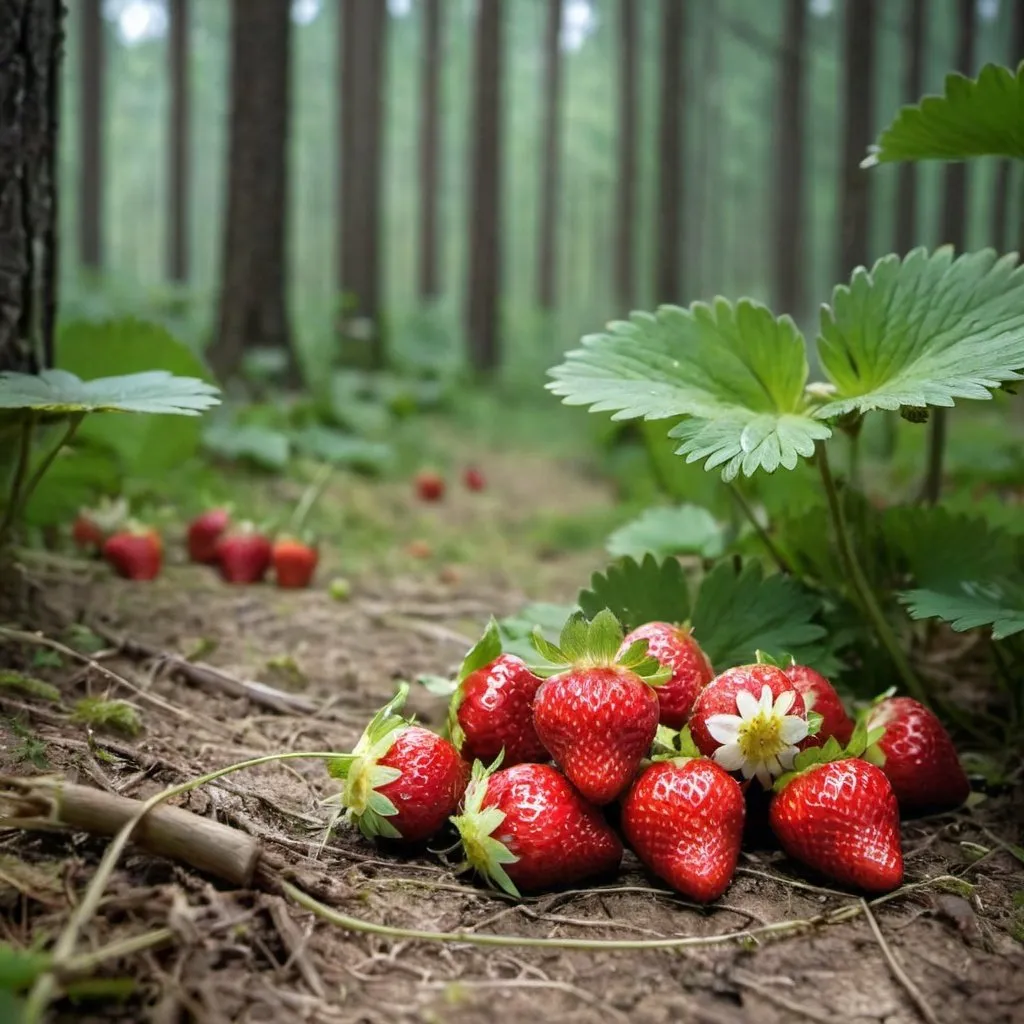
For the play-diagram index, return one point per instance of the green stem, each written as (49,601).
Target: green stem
(18,481)
(762,533)
(931,488)
(859,582)
(309,499)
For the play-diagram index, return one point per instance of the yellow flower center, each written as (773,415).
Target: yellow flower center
(760,737)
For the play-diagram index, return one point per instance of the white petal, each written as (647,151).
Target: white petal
(746,704)
(785,702)
(766,699)
(793,729)
(730,757)
(773,766)
(764,776)
(786,757)
(749,768)
(724,728)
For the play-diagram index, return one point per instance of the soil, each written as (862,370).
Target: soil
(935,952)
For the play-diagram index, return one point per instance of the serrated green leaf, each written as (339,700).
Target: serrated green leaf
(483,652)
(996,603)
(516,629)
(665,532)
(639,592)
(545,648)
(340,449)
(974,117)
(923,330)
(262,446)
(736,372)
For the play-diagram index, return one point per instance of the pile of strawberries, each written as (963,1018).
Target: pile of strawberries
(544,772)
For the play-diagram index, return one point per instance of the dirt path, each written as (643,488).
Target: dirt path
(248,956)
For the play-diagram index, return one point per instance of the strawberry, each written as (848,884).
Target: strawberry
(203,534)
(491,709)
(684,819)
(401,781)
(136,552)
(526,828)
(918,756)
(675,648)
(474,479)
(294,562)
(598,713)
(841,818)
(821,698)
(92,526)
(429,486)
(87,535)
(243,554)
(749,719)
(419,549)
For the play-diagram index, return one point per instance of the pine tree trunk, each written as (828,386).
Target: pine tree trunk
(430,151)
(625,205)
(954,199)
(547,243)
(1001,236)
(178,142)
(789,163)
(914,43)
(858,107)
(668,271)
(31,39)
(93,61)
(484,253)
(253,306)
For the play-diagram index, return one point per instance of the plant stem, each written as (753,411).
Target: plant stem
(762,533)
(309,498)
(18,481)
(859,582)
(931,487)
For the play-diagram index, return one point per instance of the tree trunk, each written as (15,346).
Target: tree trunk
(253,307)
(668,272)
(914,43)
(31,38)
(547,241)
(430,150)
(178,142)
(625,206)
(1000,232)
(484,254)
(360,181)
(789,163)
(858,108)
(954,198)
(93,57)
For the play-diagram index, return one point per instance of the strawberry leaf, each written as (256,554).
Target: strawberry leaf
(604,638)
(966,605)
(665,532)
(974,117)
(639,592)
(439,686)
(483,652)
(546,649)
(686,745)
(814,721)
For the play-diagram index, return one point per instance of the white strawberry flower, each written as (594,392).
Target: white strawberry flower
(761,740)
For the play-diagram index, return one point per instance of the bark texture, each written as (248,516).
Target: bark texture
(625,201)
(179,142)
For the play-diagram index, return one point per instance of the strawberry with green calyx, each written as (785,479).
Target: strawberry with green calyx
(526,828)
(675,647)
(837,813)
(401,781)
(597,713)
(92,526)
(204,532)
(294,561)
(820,697)
(683,817)
(135,552)
(244,554)
(491,709)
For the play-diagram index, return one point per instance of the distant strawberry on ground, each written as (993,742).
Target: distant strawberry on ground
(294,562)
(135,552)
(243,554)
(429,486)
(203,534)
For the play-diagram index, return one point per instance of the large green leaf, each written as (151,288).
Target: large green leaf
(686,530)
(342,449)
(736,372)
(924,330)
(974,117)
(75,479)
(967,605)
(248,442)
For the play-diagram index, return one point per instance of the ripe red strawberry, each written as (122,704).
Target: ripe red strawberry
(92,526)
(921,762)
(841,819)
(749,719)
(675,647)
(491,709)
(401,781)
(684,819)
(136,552)
(429,486)
(203,534)
(820,697)
(243,554)
(294,562)
(598,715)
(86,534)
(473,478)
(526,828)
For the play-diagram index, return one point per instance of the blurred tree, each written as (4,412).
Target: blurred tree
(363,52)
(954,194)
(178,142)
(626,177)
(92,68)
(430,150)
(484,252)
(668,269)
(858,104)
(913,84)
(1000,230)
(30,58)
(547,241)
(253,310)
(790,209)
(703,271)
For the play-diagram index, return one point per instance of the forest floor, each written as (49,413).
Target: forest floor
(937,951)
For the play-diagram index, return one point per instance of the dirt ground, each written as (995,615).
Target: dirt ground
(936,952)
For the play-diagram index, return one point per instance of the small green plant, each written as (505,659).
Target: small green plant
(114,715)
